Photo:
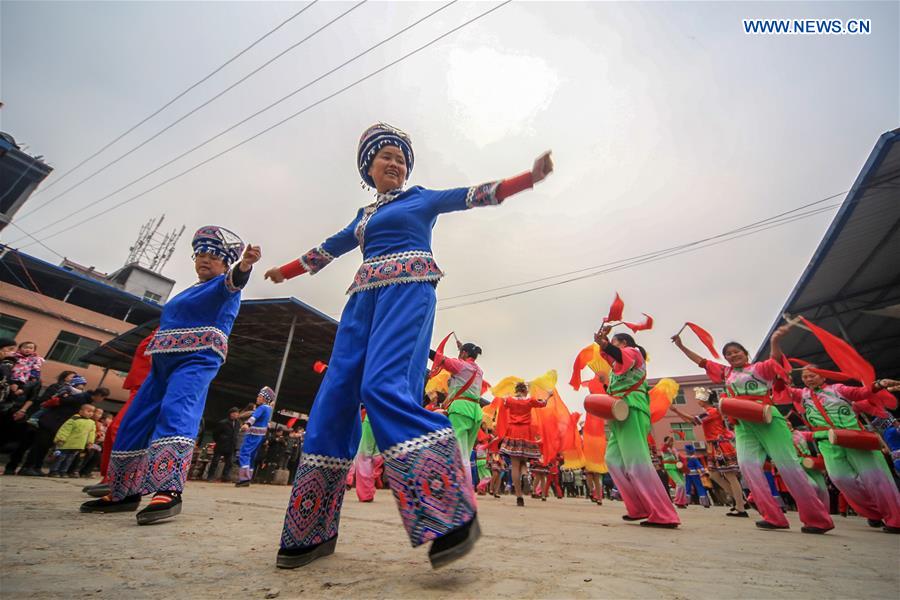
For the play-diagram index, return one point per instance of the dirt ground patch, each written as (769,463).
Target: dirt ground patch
(223,546)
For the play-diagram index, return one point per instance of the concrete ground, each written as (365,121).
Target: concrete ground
(223,546)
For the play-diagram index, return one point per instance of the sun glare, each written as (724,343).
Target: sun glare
(495,94)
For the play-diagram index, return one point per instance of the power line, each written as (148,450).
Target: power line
(647,255)
(283,121)
(179,96)
(241,122)
(37,240)
(195,109)
(663,254)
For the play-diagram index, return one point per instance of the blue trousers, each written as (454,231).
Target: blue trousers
(153,447)
(693,484)
(247,454)
(379,360)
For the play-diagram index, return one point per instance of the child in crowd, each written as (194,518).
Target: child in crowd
(28,369)
(693,481)
(75,436)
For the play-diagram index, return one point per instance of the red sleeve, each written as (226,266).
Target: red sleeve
(631,357)
(628,359)
(852,393)
(714,370)
(454,365)
(767,369)
(292,269)
(514,185)
(537,403)
(140,365)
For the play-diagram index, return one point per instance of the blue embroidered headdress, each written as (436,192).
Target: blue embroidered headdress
(267,393)
(374,139)
(219,242)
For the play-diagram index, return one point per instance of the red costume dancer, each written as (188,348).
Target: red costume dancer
(140,368)
(518,440)
(723,467)
(553,479)
(495,464)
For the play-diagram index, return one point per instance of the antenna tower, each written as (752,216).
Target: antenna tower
(153,248)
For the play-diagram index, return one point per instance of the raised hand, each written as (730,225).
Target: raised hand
(543,166)
(275,275)
(252,254)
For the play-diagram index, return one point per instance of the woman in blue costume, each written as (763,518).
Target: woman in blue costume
(379,358)
(254,435)
(153,447)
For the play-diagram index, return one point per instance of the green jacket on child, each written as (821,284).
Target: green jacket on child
(76,434)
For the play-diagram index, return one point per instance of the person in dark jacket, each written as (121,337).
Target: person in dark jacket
(225,437)
(51,421)
(12,398)
(15,427)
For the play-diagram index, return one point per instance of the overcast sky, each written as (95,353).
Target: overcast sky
(667,124)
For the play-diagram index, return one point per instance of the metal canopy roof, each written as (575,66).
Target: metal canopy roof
(851,286)
(256,347)
(26,271)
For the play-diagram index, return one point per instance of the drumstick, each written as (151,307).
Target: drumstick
(795,322)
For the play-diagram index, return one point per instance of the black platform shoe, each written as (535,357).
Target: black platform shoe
(164,505)
(455,544)
(108,505)
(874,523)
(659,525)
(816,530)
(291,558)
(98,490)
(767,525)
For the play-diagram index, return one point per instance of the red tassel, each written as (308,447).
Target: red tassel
(319,367)
(615,310)
(678,434)
(642,326)
(439,356)
(705,338)
(581,361)
(844,356)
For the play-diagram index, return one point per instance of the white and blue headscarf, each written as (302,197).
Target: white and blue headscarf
(219,242)
(374,139)
(267,393)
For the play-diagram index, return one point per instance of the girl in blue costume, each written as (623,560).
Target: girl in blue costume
(153,447)
(255,434)
(379,358)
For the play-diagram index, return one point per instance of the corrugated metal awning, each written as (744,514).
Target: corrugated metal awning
(852,283)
